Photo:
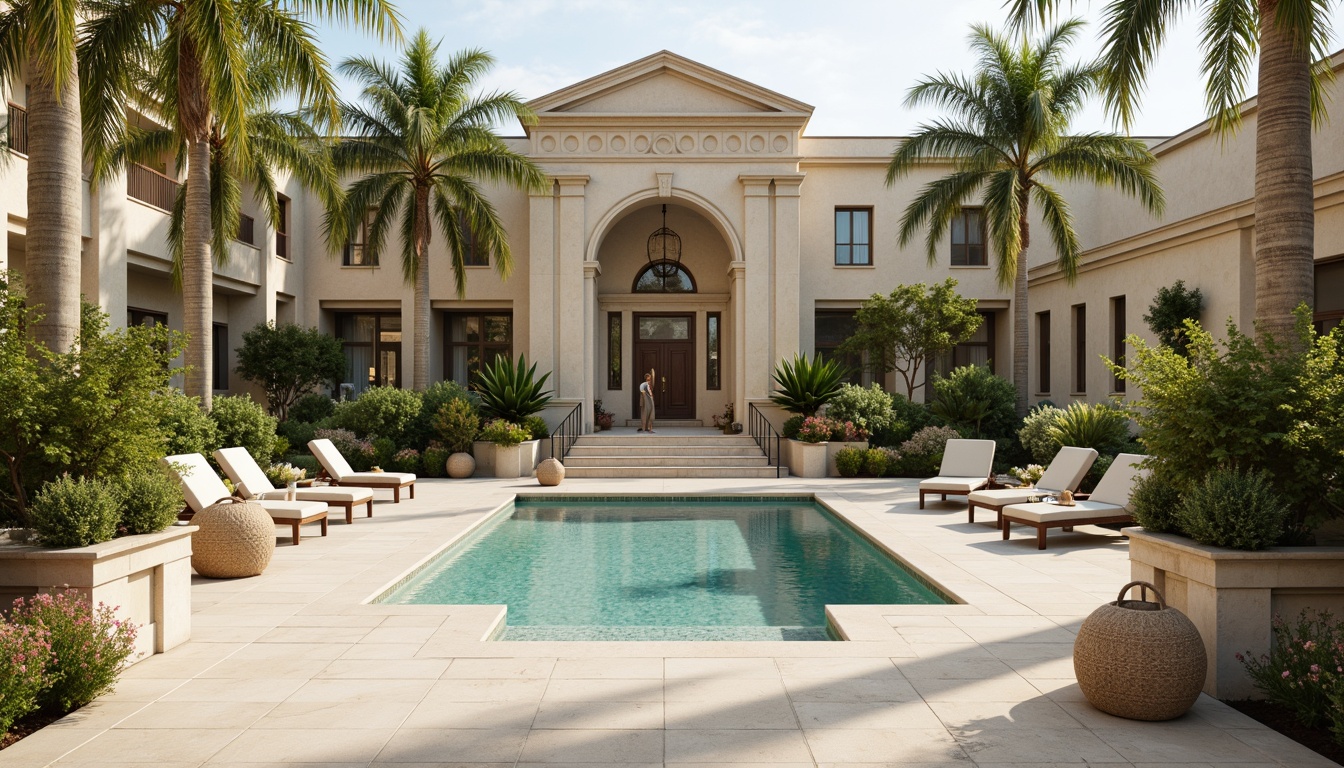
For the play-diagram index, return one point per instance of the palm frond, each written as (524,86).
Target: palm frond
(1133,30)
(52,27)
(1229,39)
(1026,15)
(1109,160)
(1059,223)
(937,203)
(1004,209)
(1309,25)
(379,16)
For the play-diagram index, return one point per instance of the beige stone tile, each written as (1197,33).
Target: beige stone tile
(1189,741)
(501,668)
(721,690)
(231,715)
(473,714)
(593,746)
(335,634)
(953,668)
(414,620)
(837,667)
(851,689)
(306,745)
(525,689)
(620,715)
(617,689)
(100,762)
(865,715)
(1028,744)
(995,689)
(383,651)
(142,690)
(234,689)
(981,715)
(48,744)
(361,690)
(638,668)
(934,635)
(1277,746)
(384,669)
(772,713)
(678,668)
(326,651)
(386,634)
(883,746)
(272,668)
(98,715)
(717,747)
(419,745)
(323,715)
(135,745)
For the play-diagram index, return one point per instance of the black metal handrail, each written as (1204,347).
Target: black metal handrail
(567,432)
(767,439)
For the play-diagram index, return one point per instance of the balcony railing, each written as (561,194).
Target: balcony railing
(246,229)
(149,186)
(18,128)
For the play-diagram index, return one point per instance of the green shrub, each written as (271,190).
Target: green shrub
(1304,670)
(435,461)
(287,361)
(89,646)
(804,386)
(1156,503)
(243,423)
(1171,308)
(386,412)
(25,652)
(894,467)
(406,460)
(790,428)
(975,401)
(383,451)
(1094,475)
(512,392)
(457,425)
(312,407)
(849,461)
(432,400)
(186,428)
(922,454)
(1234,509)
(308,463)
(70,512)
(359,454)
(149,502)
(536,427)
(297,434)
(868,408)
(875,462)
(907,418)
(1092,425)
(501,432)
(1035,434)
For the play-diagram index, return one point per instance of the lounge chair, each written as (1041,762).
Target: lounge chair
(1109,503)
(966,467)
(340,472)
(1065,472)
(252,483)
(202,488)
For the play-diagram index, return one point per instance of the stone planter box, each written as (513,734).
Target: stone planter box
(833,447)
(806,459)
(148,576)
(484,453)
(1233,596)
(515,460)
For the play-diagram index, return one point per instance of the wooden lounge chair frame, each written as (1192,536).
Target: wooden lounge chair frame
(188,513)
(1065,524)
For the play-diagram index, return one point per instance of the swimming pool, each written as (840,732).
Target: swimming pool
(658,569)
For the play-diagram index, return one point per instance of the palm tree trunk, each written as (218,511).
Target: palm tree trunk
(197,269)
(420,377)
(1284,194)
(1020,317)
(54,206)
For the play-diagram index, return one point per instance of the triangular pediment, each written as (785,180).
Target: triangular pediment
(667,84)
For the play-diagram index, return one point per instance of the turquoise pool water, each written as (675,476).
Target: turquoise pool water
(659,570)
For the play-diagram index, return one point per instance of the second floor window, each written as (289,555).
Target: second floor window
(356,253)
(475,255)
(853,236)
(282,228)
(968,239)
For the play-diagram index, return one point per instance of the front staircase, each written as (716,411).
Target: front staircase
(688,453)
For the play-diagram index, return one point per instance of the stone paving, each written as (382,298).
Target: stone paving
(292,667)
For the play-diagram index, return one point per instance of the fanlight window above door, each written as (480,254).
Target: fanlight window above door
(664,277)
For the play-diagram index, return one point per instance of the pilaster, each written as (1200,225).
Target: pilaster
(542,319)
(737,285)
(591,271)
(571,371)
(756,247)
(788,264)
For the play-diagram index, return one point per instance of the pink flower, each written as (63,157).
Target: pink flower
(1315,668)
(1285,674)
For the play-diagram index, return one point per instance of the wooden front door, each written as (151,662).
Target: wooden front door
(665,344)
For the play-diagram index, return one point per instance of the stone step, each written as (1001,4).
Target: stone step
(668,423)
(581,449)
(664,461)
(670,472)
(656,439)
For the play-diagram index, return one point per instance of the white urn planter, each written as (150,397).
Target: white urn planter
(807,459)
(515,460)
(834,447)
(1232,596)
(148,576)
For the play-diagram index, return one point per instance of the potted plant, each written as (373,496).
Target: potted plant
(602,419)
(724,421)
(507,438)
(287,475)
(803,387)
(457,424)
(844,434)
(511,393)
(809,450)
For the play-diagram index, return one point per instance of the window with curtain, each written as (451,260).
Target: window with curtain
(977,350)
(968,239)
(832,327)
(853,236)
(473,339)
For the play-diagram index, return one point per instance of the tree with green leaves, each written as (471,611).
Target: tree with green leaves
(1289,41)
(188,61)
(1172,306)
(421,144)
(38,40)
(288,361)
(1007,139)
(905,330)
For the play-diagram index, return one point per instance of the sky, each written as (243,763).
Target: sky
(853,60)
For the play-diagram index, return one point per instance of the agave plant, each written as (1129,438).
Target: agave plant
(512,392)
(806,385)
(957,408)
(1087,425)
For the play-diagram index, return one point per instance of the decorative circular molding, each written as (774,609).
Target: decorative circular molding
(548,143)
(594,143)
(733,143)
(617,143)
(641,143)
(571,143)
(663,144)
(781,143)
(710,143)
(757,143)
(686,143)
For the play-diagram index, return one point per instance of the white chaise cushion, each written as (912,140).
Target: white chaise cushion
(342,495)
(330,458)
(1042,512)
(1117,484)
(1001,496)
(967,458)
(953,484)
(1067,469)
(243,470)
(378,478)
(200,485)
(292,510)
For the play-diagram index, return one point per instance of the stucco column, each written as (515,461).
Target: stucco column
(737,286)
(541,279)
(756,329)
(571,368)
(787,263)
(103,267)
(591,271)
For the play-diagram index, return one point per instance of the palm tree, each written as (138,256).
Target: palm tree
(420,140)
(1292,41)
(196,52)
(39,36)
(1007,139)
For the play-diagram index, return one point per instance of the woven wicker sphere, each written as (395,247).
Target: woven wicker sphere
(235,540)
(550,472)
(1140,660)
(461,465)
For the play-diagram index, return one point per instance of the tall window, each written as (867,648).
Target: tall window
(968,239)
(1080,348)
(475,255)
(853,236)
(356,252)
(1043,352)
(282,229)
(1118,339)
(713,351)
(219,352)
(614,376)
(372,350)
(474,339)
(977,350)
(832,328)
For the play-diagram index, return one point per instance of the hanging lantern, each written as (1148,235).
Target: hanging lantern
(664,251)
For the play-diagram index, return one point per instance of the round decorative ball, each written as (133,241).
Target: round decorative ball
(550,472)
(461,465)
(1139,659)
(235,539)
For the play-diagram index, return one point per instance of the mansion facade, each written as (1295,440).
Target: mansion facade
(693,228)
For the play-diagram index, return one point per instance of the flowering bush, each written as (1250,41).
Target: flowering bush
(921,455)
(359,453)
(1304,669)
(24,654)
(406,460)
(501,432)
(89,645)
(435,459)
(1028,475)
(283,474)
(815,429)
(790,428)
(846,431)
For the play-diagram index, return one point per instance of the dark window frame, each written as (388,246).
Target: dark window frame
(714,351)
(481,345)
(1118,340)
(374,345)
(851,210)
(944,363)
(819,350)
(1079,349)
(285,206)
(1043,352)
(475,256)
(360,241)
(964,254)
(220,354)
(615,367)
(137,316)
(634,286)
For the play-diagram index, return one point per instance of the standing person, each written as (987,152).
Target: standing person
(646,403)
